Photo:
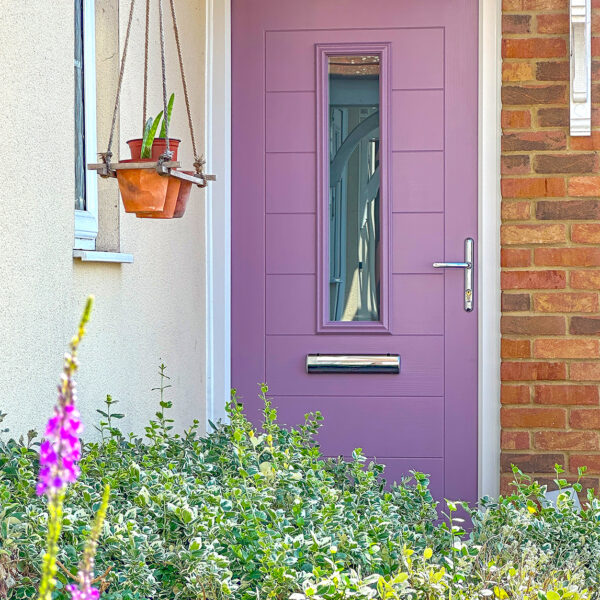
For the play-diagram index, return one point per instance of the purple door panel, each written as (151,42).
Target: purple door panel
(425,148)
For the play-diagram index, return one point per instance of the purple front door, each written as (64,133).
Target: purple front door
(355,169)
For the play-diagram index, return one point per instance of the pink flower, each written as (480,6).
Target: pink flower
(87,593)
(61,449)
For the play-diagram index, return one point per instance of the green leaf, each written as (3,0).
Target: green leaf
(149,135)
(145,136)
(163,129)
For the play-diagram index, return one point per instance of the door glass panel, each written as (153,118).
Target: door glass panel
(354,188)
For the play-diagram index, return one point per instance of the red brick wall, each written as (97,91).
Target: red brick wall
(550,250)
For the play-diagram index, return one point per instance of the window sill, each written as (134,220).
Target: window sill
(102,257)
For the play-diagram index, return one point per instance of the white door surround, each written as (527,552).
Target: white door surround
(218,227)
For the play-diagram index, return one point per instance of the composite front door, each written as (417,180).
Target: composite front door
(354,171)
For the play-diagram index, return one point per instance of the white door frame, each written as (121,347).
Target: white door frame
(218,227)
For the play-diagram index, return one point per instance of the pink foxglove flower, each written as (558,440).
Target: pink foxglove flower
(61,449)
(86,593)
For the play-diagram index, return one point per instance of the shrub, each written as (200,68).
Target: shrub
(247,514)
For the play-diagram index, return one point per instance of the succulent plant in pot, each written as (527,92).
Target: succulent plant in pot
(144,191)
(149,146)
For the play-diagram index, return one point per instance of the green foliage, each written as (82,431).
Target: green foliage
(163,129)
(151,127)
(249,514)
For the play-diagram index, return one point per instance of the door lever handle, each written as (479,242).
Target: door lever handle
(467,265)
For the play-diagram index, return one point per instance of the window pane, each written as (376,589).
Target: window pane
(354,188)
(79,110)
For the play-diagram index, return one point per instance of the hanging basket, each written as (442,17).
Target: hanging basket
(154,187)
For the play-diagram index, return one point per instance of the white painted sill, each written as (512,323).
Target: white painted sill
(102,257)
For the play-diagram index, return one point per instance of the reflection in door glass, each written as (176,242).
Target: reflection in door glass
(354,188)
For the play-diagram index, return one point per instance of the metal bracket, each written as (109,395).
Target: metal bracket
(581,61)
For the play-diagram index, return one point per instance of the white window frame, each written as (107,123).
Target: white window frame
(86,221)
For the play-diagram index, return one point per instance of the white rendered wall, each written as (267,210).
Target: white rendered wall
(145,312)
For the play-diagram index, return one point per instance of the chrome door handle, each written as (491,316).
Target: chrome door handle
(467,265)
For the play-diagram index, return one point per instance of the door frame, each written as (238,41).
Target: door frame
(218,228)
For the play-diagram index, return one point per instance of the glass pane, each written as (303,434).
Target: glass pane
(354,188)
(79,110)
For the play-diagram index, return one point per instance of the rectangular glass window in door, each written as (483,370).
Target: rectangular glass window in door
(353,281)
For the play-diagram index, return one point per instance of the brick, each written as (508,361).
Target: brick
(516,119)
(565,302)
(565,163)
(515,348)
(567,257)
(586,233)
(514,95)
(515,257)
(532,234)
(533,371)
(534,48)
(533,280)
(531,463)
(585,371)
(552,71)
(556,23)
(515,164)
(530,418)
(516,211)
(591,461)
(506,482)
(514,440)
(533,187)
(565,440)
(515,394)
(585,280)
(515,302)
(584,186)
(586,142)
(517,24)
(553,117)
(566,348)
(534,325)
(566,210)
(534,140)
(595,46)
(566,394)
(585,326)
(517,71)
(585,418)
(545,5)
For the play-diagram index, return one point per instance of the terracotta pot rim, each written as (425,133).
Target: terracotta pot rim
(142,139)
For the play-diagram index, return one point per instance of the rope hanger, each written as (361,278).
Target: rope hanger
(164,163)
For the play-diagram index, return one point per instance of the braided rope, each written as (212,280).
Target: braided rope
(198,160)
(146,46)
(167,154)
(108,154)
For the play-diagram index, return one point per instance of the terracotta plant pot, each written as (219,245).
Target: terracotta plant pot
(184,195)
(142,190)
(173,191)
(158,147)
